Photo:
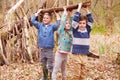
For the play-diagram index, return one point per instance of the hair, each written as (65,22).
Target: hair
(82,17)
(49,14)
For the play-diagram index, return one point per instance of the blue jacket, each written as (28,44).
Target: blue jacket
(45,34)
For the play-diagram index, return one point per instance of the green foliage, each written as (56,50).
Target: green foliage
(98,28)
(102,49)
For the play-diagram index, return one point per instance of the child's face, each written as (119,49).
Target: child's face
(46,19)
(82,25)
(68,26)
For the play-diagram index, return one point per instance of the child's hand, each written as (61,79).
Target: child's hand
(65,10)
(57,15)
(79,6)
(39,11)
(86,9)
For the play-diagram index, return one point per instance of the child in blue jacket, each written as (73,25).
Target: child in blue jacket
(45,41)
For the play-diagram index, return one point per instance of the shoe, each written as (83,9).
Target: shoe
(42,78)
(64,78)
(45,74)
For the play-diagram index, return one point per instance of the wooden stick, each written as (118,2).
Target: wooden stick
(70,7)
(2,54)
(11,11)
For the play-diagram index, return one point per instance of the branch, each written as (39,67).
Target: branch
(1,52)
(11,11)
(14,7)
(70,7)
(96,3)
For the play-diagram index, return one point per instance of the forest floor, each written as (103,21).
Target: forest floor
(98,69)
(103,68)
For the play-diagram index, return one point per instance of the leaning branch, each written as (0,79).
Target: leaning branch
(11,11)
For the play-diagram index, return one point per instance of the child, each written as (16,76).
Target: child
(82,26)
(64,48)
(46,41)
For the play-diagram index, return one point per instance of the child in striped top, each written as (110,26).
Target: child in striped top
(82,26)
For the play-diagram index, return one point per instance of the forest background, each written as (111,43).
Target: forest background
(17,49)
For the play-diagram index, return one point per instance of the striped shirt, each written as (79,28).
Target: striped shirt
(81,37)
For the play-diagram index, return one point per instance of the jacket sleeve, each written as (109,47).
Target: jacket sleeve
(76,20)
(63,22)
(35,22)
(55,26)
(71,18)
(90,21)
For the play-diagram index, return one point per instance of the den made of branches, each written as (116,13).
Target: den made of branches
(18,41)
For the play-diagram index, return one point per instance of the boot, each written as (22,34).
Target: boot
(45,74)
(50,76)
(64,78)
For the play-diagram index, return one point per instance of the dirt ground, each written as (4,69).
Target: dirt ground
(103,68)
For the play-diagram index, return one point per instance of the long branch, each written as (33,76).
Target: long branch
(11,11)
(70,7)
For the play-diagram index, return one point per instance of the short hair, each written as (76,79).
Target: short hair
(49,14)
(82,17)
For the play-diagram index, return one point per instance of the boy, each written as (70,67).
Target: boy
(64,48)
(82,26)
(45,41)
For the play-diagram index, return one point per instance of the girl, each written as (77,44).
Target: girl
(64,48)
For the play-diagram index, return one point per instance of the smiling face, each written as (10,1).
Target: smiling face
(82,22)
(68,26)
(82,25)
(47,18)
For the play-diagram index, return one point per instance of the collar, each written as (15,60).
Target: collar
(83,31)
(47,25)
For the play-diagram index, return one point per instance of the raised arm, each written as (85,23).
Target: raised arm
(76,17)
(63,20)
(71,17)
(57,24)
(90,18)
(33,19)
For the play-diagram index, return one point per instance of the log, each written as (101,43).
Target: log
(70,7)
(92,55)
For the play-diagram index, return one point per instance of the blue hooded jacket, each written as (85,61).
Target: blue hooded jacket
(45,34)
